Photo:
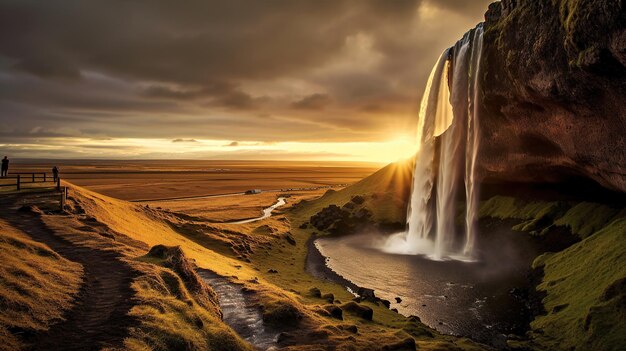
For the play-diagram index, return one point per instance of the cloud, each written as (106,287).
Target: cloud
(211,69)
(312,102)
(233,144)
(179,140)
(48,68)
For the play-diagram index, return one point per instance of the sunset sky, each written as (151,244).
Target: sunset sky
(300,80)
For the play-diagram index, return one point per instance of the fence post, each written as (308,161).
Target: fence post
(33,177)
(58,183)
(62,202)
(18,182)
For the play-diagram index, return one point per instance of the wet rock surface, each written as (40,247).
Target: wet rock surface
(554,85)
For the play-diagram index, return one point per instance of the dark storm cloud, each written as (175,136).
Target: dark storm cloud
(48,68)
(209,69)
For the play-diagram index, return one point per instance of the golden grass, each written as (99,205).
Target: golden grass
(149,227)
(390,186)
(171,318)
(36,285)
(288,287)
(230,208)
(134,180)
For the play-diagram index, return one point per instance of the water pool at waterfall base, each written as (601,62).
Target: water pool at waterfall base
(485,300)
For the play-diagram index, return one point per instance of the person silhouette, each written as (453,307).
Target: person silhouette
(5,166)
(55,173)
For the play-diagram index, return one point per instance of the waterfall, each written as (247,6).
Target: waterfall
(448,149)
(471,186)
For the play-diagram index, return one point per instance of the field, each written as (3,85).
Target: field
(231,207)
(162,179)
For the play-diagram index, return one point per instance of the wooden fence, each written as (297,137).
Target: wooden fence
(23,178)
(39,188)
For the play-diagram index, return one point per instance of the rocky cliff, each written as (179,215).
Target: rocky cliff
(554,81)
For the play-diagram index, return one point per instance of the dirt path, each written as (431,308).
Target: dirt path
(99,317)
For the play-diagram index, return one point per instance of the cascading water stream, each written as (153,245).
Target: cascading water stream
(471,186)
(435,116)
(448,149)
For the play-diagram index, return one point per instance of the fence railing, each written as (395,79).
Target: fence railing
(22,178)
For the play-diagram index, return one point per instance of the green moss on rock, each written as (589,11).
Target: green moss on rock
(579,278)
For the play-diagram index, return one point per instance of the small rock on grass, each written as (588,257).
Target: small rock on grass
(328,297)
(358,310)
(335,311)
(315,292)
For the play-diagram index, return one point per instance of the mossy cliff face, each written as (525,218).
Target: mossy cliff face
(554,78)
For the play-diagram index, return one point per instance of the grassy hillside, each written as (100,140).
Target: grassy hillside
(274,271)
(585,285)
(586,293)
(390,187)
(36,286)
(169,311)
(172,312)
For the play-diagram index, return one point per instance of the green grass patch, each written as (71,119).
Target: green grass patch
(584,284)
(582,312)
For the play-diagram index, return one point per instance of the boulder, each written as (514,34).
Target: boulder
(349,205)
(281,315)
(358,199)
(367,294)
(329,297)
(358,310)
(334,311)
(315,292)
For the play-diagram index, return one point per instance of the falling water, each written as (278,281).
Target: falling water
(434,118)
(471,186)
(448,149)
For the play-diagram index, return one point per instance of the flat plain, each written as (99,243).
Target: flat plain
(159,179)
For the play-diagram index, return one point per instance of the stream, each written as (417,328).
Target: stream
(267,212)
(240,312)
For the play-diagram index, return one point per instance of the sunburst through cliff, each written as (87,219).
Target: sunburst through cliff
(448,127)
